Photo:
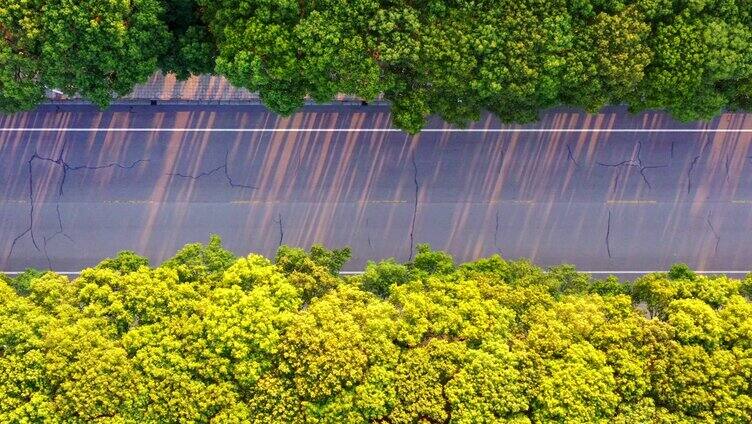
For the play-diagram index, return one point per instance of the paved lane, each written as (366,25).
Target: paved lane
(603,200)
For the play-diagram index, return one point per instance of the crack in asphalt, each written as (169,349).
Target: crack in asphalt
(570,156)
(608,235)
(109,165)
(66,167)
(689,173)
(635,163)
(281,228)
(368,235)
(222,167)
(705,144)
(728,167)
(415,208)
(59,232)
(30,228)
(616,184)
(712,230)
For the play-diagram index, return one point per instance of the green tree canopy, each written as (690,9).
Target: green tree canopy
(208,337)
(98,49)
(511,57)
(453,59)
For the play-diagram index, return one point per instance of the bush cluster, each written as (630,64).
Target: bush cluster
(450,58)
(209,337)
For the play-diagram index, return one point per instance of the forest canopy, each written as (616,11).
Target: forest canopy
(210,337)
(454,59)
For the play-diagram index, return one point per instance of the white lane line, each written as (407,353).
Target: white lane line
(390,130)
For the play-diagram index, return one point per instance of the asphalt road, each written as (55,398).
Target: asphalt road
(606,192)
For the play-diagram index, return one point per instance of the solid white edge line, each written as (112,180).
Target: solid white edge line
(584,272)
(378,130)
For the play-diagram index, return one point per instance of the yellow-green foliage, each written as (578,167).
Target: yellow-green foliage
(207,337)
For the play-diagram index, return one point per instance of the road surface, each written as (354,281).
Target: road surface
(608,192)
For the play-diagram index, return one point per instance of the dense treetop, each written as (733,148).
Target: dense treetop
(92,47)
(451,58)
(208,337)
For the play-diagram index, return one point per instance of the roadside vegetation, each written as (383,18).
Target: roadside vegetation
(454,59)
(210,337)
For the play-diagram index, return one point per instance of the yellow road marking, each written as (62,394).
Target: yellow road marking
(249,202)
(633,202)
(127,202)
